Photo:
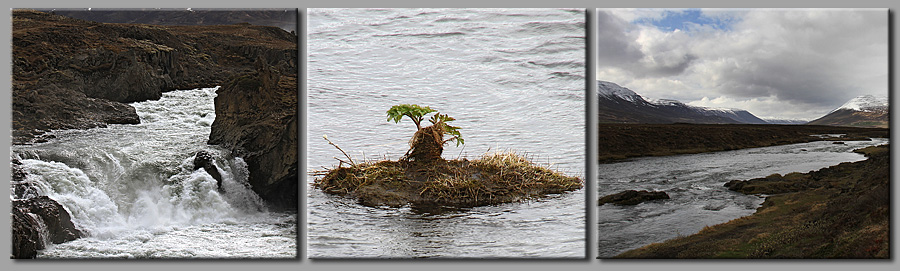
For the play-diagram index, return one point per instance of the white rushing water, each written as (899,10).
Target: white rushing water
(133,191)
(513,79)
(695,183)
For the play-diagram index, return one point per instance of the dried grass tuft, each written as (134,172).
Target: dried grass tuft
(492,179)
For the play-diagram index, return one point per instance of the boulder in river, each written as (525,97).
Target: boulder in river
(205,160)
(632,197)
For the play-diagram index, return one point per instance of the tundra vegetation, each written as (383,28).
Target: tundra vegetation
(425,180)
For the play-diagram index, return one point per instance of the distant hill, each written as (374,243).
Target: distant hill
(283,18)
(622,105)
(786,121)
(862,111)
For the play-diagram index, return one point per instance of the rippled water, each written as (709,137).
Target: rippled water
(695,184)
(513,79)
(133,190)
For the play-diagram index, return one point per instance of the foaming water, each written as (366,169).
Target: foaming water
(513,79)
(133,190)
(695,184)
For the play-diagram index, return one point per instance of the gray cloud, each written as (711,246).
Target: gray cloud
(618,49)
(779,62)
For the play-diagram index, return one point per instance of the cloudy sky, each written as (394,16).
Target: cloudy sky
(775,63)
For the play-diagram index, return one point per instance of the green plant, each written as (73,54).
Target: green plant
(417,113)
(442,119)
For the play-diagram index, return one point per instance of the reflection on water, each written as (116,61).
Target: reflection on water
(513,79)
(695,184)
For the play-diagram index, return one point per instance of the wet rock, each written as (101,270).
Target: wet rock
(632,197)
(257,119)
(37,222)
(205,160)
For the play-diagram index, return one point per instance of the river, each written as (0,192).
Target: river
(513,79)
(133,191)
(695,183)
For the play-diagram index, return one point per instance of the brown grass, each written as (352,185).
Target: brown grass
(493,179)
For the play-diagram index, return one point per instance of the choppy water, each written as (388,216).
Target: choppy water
(133,190)
(513,79)
(695,184)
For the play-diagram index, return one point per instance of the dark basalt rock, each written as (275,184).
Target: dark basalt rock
(205,160)
(632,197)
(257,119)
(75,74)
(37,222)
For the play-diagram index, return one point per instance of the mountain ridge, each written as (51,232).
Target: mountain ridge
(618,104)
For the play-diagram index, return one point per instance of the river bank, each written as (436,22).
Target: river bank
(846,215)
(621,141)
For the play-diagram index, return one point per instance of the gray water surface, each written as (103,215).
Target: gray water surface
(513,79)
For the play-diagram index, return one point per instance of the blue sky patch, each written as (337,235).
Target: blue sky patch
(684,19)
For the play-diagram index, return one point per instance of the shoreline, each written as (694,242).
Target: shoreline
(842,211)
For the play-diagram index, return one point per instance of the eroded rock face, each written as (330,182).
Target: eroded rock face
(37,222)
(256,117)
(75,74)
(632,197)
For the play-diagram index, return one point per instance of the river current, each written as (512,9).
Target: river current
(695,184)
(133,191)
(513,79)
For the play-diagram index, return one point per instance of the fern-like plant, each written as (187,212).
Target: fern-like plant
(438,128)
(415,112)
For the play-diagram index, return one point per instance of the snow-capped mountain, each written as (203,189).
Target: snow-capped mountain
(862,111)
(620,104)
(866,103)
(610,90)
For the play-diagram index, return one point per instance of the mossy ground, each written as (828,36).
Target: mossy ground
(492,179)
(847,215)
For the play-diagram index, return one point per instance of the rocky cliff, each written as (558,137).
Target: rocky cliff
(256,117)
(75,74)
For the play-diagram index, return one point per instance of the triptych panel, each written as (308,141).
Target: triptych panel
(482,133)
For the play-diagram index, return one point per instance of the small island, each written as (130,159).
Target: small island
(423,178)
